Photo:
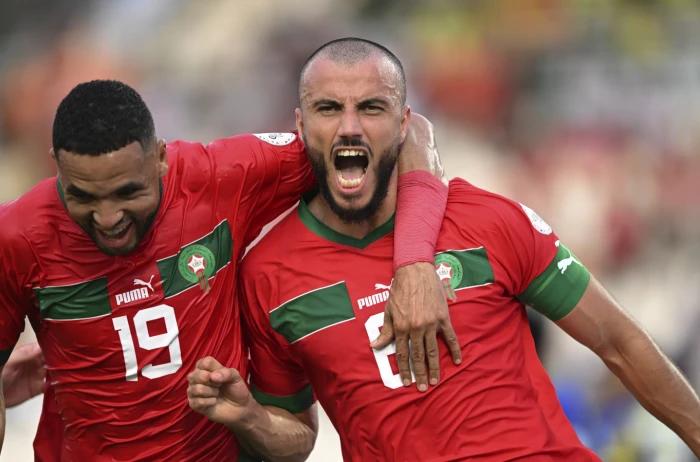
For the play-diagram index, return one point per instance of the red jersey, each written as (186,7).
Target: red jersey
(121,333)
(316,301)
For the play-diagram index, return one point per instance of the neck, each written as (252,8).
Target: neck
(323,213)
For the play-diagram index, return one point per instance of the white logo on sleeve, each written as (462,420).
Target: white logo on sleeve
(564,264)
(537,222)
(277,139)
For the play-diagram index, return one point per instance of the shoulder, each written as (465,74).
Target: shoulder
(488,211)
(36,207)
(27,221)
(257,143)
(275,244)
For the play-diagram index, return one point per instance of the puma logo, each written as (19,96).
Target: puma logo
(379,286)
(140,282)
(564,264)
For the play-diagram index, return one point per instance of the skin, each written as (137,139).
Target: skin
(23,374)
(362,101)
(117,191)
(598,322)
(601,324)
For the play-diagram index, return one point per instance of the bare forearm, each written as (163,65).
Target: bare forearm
(657,385)
(276,435)
(419,151)
(2,417)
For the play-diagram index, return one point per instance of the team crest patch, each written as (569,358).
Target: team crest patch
(196,263)
(537,222)
(277,139)
(449,270)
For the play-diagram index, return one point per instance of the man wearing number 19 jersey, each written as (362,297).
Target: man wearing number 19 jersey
(313,306)
(113,326)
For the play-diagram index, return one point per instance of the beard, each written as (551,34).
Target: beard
(384,170)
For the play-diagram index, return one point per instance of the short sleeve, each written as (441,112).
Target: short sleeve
(533,264)
(277,379)
(262,174)
(15,295)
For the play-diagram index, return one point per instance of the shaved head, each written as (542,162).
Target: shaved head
(351,50)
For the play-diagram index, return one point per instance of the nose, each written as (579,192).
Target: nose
(350,125)
(107,215)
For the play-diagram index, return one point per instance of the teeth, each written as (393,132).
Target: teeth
(345,183)
(115,232)
(349,153)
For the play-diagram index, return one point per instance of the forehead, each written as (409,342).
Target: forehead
(366,78)
(105,171)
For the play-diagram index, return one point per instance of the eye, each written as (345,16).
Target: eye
(327,109)
(372,109)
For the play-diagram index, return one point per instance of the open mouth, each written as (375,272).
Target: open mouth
(350,166)
(116,233)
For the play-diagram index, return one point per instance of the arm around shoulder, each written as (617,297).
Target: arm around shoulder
(601,324)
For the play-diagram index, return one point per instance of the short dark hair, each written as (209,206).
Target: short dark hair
(349,50)
(101,116)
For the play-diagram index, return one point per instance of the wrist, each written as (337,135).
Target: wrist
(421,203)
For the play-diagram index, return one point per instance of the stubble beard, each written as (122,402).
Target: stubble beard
(384,170)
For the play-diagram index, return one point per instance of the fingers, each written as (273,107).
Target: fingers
(403,359)
(209,364)
(418,359)
(432,354)
(386,334)
(448,333)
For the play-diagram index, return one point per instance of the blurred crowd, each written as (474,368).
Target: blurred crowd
(586,110)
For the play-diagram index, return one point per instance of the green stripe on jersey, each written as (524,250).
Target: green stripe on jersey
(299,401)
(319,228)
(206,255)
(465,268)
(556,291)
(77,301)
(312,311)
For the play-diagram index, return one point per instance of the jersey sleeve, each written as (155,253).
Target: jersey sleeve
(263,175)
(530,260)
(277,379)
(15,291)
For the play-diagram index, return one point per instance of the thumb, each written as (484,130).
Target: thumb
(386,334)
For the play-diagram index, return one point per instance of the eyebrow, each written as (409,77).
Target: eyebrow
(326,102)
(123,190)
(372,102)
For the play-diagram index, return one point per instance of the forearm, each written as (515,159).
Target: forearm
(2,415)
(276,435)
(657,384)
(419,150)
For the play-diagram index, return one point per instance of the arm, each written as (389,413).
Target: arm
(599,323)
(2,412)
(23,374)
(417,308)
(273,433)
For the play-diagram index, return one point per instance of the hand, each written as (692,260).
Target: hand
(220,393)
(415,311)
(23,375)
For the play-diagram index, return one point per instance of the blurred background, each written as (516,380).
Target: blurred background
(588,111)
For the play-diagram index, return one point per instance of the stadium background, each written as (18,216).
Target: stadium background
(587,111)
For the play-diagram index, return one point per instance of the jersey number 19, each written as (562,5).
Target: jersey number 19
(149,342)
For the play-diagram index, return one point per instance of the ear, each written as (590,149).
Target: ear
(52,153)
(299,121)
(162,154)
(405,120)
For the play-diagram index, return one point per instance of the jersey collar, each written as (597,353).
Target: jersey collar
(322,230)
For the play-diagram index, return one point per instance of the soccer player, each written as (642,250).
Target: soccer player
(312,303)
(125,265)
